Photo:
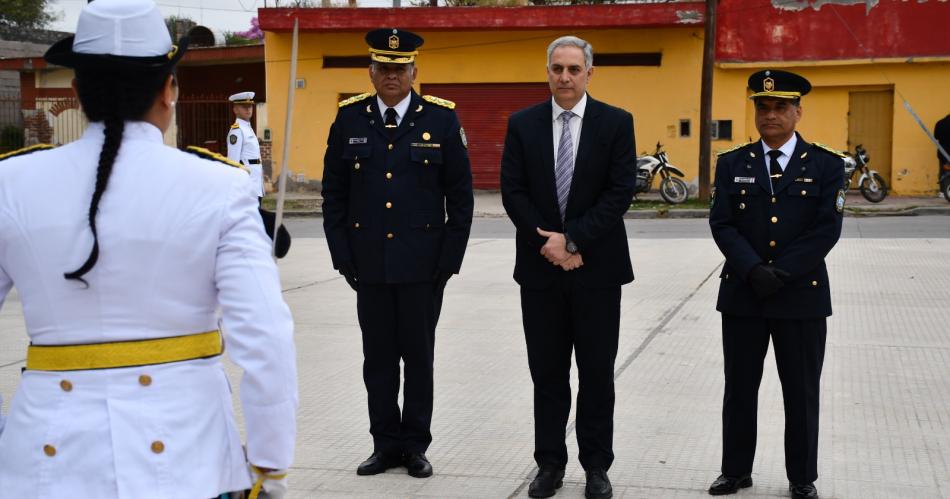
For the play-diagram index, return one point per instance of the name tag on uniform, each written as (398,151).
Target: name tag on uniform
(806,180)
(426,145)
(357,140)
(744,180)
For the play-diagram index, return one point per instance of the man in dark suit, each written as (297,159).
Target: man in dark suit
(397,211)
(567,178)
(776,213)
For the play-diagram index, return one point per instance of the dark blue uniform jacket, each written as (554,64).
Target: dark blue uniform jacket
(398,208)
(792,229)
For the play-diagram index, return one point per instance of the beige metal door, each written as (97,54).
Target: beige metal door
(870,123)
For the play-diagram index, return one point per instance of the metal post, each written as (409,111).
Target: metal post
(282,182)
(705,99)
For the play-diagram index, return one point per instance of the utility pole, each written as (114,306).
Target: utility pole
(705,99)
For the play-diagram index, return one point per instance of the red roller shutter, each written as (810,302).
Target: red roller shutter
(483,109)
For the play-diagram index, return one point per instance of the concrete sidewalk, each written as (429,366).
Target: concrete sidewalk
(885,402)
(488,204)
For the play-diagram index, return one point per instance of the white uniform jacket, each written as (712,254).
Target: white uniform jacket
(179,237)
(243,147)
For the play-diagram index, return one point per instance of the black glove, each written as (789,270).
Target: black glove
(349,273)
(766,280)
(440,279)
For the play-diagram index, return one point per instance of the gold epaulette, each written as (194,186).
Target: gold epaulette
(736,148)
(439,101)
(353,100)
(213,156)
(829,149)
(235,125)
(26,150)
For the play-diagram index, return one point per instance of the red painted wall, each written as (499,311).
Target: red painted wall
(756,30)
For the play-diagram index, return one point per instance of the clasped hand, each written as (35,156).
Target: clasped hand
(555,251)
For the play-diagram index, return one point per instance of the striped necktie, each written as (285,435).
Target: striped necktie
(564,165)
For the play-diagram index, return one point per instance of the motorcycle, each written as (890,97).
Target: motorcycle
(870,182)
(945,182)
(672,189)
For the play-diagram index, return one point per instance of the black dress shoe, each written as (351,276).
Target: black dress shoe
(598,485)
(729,484)
(803,490)
(418,465)
(546,483)
(378,463)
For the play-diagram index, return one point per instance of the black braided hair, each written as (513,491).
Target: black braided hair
(112,97)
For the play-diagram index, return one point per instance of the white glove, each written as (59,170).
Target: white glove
(273,485)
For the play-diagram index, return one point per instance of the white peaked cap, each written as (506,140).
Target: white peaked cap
(242,98)
(130,28)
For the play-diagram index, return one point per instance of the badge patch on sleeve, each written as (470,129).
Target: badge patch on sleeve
(462,135)
(232,139)
(712,197)
(839,201)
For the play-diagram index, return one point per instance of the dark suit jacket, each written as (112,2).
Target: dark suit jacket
(802,219)
(398,208)
(601,191)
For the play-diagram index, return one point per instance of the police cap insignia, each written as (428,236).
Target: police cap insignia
(393,46)
(778,84)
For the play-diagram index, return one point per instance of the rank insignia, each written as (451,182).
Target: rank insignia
(839,201)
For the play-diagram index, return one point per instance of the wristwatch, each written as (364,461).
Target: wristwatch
(571,246)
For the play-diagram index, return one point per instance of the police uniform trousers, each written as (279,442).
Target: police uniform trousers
(799,353)
(557,320)
(398,323)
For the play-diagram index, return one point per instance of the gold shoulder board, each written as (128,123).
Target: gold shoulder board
(213,156)
(736,148)
(438,101)
(354,99)
(26,150)
(235,126)
(829,149)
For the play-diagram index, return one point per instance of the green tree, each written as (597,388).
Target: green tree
(29,14)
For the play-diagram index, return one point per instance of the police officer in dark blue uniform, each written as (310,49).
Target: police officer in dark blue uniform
(776,213)
(397,212)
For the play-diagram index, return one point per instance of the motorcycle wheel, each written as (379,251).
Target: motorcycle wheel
(673,190)
(874,189)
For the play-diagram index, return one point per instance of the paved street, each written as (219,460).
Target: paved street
(885,421)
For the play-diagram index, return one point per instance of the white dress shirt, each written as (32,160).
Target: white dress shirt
(787,149)
(179,238)
(575,123)
(401,109)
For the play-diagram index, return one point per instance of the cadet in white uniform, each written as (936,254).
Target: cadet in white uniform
(242,142)
(120,265)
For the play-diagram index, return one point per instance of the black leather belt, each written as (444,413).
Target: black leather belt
(253,161)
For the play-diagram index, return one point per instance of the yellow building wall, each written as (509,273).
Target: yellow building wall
(658,97)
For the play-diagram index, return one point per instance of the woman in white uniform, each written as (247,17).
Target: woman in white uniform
(122,250)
